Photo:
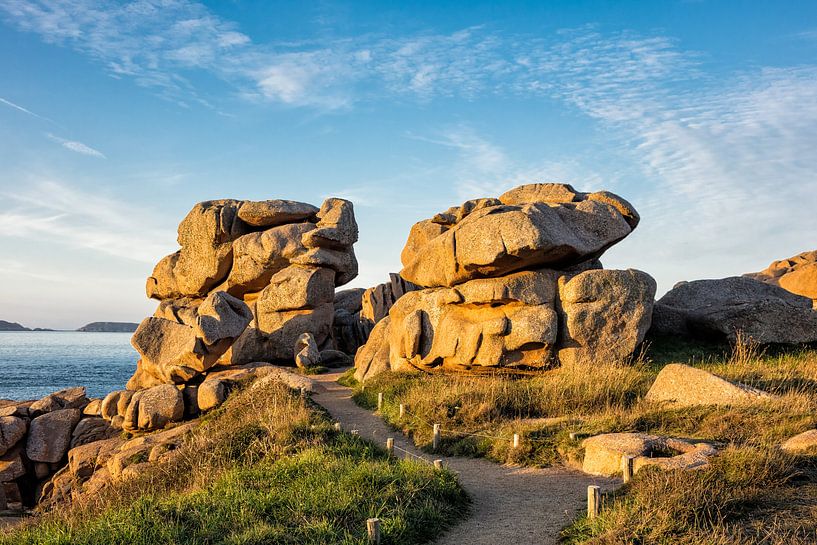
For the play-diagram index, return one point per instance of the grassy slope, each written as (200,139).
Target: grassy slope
(265,468)
(749,491)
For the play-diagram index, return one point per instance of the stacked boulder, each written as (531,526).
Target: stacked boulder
(513,285)
(35,437)
(250,278)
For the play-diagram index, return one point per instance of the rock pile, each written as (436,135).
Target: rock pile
(514,285)
(35,437)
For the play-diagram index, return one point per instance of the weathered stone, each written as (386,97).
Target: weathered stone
(84,460)
(70,398)
(797,274)
(174,353)
(50,435)
(93,408)
(343,262)
(603,453)
(720,309)
(211,394)
(275,212)
(123,402)
(191,402)
(802,442)
(159,406)
(130,420)
(297,287)
(372,358)
(604,315)
(336,228)
(11,465)
(496,240)
(335,358)
(306,351)
(682,385)
(12,429)
(205,235)
(90,430)
(378,300)
(350,300)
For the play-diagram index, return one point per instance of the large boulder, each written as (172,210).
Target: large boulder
(539,225)
(12,429)
(159,406)
(70,398)
(604,314)
(173,352)
(726,308)
(796,274)
(603,453)
(681,386)
(50,435)
(372,358)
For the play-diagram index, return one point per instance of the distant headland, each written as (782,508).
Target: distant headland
(93,327)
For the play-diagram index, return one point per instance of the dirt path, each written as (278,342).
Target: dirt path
(512,505)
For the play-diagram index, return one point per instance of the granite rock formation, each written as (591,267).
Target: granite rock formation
(796,274)
(728,307)
(513,285)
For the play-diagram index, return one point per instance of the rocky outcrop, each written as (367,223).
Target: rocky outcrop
(796,274)
(725,308)
(802,442)
(512,285)
(680,385)
(603,453)
(249,279)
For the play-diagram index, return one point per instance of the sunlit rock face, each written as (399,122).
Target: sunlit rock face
(513,285)
(797,274)
(249,279)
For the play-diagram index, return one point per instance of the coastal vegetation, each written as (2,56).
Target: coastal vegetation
(267,466)
(745,494)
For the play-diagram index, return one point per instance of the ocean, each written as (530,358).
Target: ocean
(36,363)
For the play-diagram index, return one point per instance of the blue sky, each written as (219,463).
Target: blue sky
(115,117)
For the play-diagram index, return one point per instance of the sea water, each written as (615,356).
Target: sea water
(36,363)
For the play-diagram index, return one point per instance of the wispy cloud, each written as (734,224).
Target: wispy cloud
(21,109)
(82,220)
(77,147)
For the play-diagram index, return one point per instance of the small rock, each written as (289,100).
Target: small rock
(90,430)
(159,406)
(307,353)
(801,442)
(12,429)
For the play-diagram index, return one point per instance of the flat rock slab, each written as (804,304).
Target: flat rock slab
(509,504)
(681,386)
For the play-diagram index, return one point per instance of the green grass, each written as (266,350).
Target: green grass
(266,469)
(752,493)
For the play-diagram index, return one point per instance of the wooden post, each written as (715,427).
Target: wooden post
(435,441)
(303,391)
(337,426)
(390,446)
(627,467)
(355,432)
(438,464)
(373,529)
(593,501)
(380,401)
(573,435)
(515,440)
(402,411)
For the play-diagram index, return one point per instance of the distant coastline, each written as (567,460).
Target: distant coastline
(93,327)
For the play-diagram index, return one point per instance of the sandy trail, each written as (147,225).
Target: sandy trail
(511,505)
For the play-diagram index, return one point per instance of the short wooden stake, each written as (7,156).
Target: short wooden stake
(515,440)
(435,441)
(627,467)
(573,435)
(390,446)
(303,391)
(438,464)
(380,401)
(402,410)
(355,432)
(593,501)
(373,528)
(338,426)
